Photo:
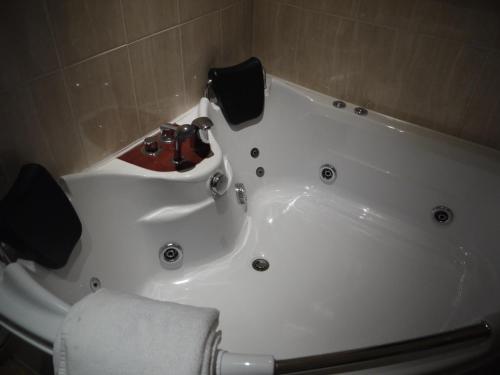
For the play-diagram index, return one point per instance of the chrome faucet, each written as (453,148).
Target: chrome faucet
(182,132)
(202,141)
(202,125)
(197,131)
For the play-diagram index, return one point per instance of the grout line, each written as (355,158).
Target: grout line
(413,14)
(356,9)
(470,42)
(178,2)
(134,93)
(38,124)
(399,72)
(131,71)
(180,24)
(252,44)
(334,46)
(76,124)
(489,123)
(248,4)
(142,38)
(353,19)
(91,21)
(145,37)
(183,73)
(181,51)
(123,21)
(150,68)
(347,18)
(295,72)
(222,46)
(48,19)
(72,65)
(44,75)
(475,87)
(29,84)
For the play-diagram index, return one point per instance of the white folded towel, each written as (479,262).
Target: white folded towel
(109,333)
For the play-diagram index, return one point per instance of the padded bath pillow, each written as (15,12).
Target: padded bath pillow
(37,220)
(239,90)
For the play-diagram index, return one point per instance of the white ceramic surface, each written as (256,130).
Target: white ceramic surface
(356,263)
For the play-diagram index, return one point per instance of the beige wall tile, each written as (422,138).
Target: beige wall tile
(22,139)
(476,22)
(361,69)
(84,28)
(149,16)
(276,28)
(157,71)
(237,32)
(393,13)
(316,50)
(293,2)
(27,45)
(482,118)
(201,48)
(226,3)
(339,7)
(56,122)
(453,91)
(190,9)
(433,62)
(91,107)
(264,13)
(345,51)
(370,80)
(101,94)
(416,60)
(421,78)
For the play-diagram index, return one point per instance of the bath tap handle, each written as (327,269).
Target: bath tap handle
(150,146)
(202,125)
(167,134)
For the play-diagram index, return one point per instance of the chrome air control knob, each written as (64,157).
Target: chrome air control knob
(167,132)
(150,146)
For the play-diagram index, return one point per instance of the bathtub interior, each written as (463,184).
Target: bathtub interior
(356,263)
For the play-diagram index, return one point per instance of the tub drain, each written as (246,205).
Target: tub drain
(260,265)
(442,214)
(171,255)
(95,284)
(327,174)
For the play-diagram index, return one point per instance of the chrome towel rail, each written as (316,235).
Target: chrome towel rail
(480,331)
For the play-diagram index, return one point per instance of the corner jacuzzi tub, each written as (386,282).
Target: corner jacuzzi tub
(394,239)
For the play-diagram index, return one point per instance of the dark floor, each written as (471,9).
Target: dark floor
(20,358)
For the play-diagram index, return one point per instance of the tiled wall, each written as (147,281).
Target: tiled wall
(432,62)
(79,79)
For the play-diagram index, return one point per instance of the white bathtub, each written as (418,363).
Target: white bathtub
(356,263)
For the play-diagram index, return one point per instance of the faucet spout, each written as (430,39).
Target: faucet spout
(182,133)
